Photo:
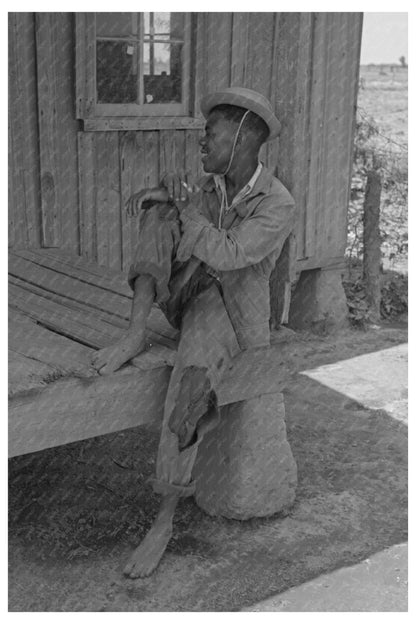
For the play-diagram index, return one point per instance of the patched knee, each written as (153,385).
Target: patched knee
(194,399)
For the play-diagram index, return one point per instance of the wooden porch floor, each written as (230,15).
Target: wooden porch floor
(62,308)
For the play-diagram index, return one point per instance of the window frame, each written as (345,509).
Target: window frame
(129,116)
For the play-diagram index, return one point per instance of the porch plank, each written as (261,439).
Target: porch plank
(77,290)
(26,374)
(75,324)
(102,278)
(69,410)
(33,341)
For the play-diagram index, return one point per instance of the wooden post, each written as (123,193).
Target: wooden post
(372,253)
(281,280)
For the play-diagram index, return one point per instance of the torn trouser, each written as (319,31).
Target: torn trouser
(207,344)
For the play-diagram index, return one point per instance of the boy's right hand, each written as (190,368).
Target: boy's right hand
(134,203)
(178,186)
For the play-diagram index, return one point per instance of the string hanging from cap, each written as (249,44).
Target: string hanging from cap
(224,202)
(235,143)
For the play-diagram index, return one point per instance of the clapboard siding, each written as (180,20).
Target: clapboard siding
(68,127)
(68,187)
(23,133)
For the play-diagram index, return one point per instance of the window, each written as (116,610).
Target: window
(133,67)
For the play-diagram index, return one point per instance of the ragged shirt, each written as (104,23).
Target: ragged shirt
(242,249)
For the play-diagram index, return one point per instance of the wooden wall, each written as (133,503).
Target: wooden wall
(68,187)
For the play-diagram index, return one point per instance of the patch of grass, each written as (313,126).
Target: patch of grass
(394,296)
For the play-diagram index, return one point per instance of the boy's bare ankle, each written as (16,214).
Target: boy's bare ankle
(134,337)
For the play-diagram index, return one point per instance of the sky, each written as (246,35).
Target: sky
(384,38)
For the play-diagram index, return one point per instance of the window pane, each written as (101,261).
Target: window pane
(162,72)
(139,67)
(157,23)
(116,72)
(114,24)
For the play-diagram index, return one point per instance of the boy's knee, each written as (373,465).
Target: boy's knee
(160,222)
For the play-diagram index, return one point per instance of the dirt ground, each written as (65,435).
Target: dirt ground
(77,511)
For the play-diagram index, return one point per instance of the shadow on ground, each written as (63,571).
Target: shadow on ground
(77,511)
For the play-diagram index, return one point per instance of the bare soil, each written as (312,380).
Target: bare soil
(77,511)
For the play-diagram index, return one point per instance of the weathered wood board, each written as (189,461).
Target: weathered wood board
(38,356)
(64,291)
(74,409)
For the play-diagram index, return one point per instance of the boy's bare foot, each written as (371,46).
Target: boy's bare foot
(110,358)
(147,555)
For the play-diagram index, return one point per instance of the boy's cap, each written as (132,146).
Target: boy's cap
(245,98)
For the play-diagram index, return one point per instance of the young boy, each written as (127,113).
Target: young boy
(205,256)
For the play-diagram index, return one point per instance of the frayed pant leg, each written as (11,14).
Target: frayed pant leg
(207,345)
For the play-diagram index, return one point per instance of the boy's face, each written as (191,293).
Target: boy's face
(217,144)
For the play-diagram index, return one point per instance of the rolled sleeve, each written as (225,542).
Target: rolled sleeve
(243,245)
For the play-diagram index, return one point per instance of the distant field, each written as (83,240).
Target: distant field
(383,95)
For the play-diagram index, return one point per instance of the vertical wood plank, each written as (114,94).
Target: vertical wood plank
(287,42)
(180,151)
(260,37)
(114,201)
(11,191)
(47,72)
(349,52)
(127,155)
(68,128)
(239,49)
(102,168)
(137,183)
(108,200)
(151,162)
(193,155)
(87,185)
(317,129)
(327,209)
(200,60)
(301,137)
(85,64)
(23,132)
(271,149)
(167,151)
(218,51)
